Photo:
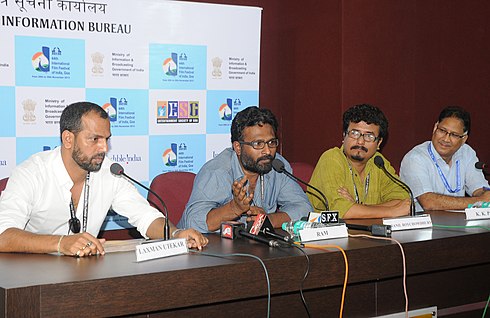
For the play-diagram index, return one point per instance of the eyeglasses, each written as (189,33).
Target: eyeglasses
(441,132)
(260,144)
(356,134)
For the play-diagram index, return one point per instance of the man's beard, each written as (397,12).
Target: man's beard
(255,166)
(357,157)
(86,163)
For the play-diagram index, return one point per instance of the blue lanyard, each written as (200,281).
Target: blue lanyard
(441,174)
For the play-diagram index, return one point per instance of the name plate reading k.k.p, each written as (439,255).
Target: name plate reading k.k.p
(477,213)
(323,233)
(159,248)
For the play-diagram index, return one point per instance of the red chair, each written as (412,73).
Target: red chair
(175,189)
(3,184)
(303,171)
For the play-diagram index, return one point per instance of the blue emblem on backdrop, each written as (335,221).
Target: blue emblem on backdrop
(49,62)
(127,109)
(176,153)
(222,106)
(177,66)
(7,107)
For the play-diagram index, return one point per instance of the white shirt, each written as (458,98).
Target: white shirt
(421,174)
(37,198)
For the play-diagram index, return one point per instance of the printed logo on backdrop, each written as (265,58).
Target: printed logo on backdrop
(177,69)
(40,60)
(119,113)
(29,107)
(177,112)
(97,61)
(217,62)
(125,158)
(169,156)
(177,66)
(53,62)
(178,155)
(226,110)
(54,66)
(222,105)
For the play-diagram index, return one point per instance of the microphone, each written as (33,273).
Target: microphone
(272,243)
(380,163)
(482,166)
(278,165)
(118,170)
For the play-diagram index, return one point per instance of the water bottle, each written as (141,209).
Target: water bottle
(293,227)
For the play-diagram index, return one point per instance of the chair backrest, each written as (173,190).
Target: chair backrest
(303,171)
(175,189)
(3,184)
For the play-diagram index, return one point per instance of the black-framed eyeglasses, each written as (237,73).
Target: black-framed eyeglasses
(260,144)
(356,134)
(443,133)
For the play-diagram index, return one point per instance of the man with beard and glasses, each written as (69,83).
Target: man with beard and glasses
(57,200)
(239,183)
(348,177)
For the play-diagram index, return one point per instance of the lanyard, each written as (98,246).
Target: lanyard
(366,185)
(442,176)
(85,204)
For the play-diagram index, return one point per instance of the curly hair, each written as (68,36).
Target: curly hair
(367,113)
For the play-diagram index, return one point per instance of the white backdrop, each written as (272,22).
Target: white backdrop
(170,74)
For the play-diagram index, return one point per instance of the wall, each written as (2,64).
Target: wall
(411,58)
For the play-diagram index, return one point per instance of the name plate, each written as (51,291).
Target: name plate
(323,233)
(477,213)
(409,222)
(159,248)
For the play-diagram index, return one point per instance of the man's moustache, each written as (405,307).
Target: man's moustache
(359,147)
(267,157)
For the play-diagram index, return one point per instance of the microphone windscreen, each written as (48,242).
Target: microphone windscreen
(379,162)
(479,165)
(117,169)
(278,165)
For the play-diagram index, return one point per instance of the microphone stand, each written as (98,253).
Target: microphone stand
(380,163)
(166,227)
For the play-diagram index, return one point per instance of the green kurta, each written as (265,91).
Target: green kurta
(332,172)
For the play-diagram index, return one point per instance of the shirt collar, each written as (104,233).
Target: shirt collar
(59,169)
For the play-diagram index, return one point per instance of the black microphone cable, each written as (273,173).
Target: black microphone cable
(380,163)
(301,286)
(278,166)
(245,255)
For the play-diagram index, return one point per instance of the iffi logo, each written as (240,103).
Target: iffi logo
(40,60)
(170,156)
(170,65)
(111,109)
(225,110)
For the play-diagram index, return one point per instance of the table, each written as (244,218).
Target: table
(448,268)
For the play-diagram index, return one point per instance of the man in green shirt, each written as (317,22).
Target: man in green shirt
(348,177)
